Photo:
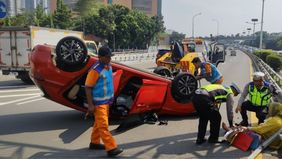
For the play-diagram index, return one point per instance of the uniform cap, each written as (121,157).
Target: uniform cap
(258,76)
(104,51)
(236,88)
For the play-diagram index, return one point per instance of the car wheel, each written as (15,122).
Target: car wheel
(71,52)
(183,87)
(163,71)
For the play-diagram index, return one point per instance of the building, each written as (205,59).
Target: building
(149,7)
(15,7)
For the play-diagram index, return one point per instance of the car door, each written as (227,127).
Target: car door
(116,79)
(150,96)
(217,54)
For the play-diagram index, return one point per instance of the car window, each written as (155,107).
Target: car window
(91,47)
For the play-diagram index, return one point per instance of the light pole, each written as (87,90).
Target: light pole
(217,27)
(249,29)
(255,21)
(261,26)
(193,23)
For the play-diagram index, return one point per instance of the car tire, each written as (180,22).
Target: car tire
(183,87)
(71,54)
(24,76)
(163,71)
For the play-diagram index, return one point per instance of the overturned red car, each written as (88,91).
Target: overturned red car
(60,73)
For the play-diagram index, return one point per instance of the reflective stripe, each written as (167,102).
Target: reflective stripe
(259,98)
(103,98)
(219,92)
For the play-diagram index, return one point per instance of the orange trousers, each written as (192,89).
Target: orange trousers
(100,128)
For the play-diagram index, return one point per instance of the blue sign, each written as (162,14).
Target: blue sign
(3,11)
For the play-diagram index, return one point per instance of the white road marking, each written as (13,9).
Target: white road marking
(20,95)
(23,90)
(15,101)
(30,101)
(6,87)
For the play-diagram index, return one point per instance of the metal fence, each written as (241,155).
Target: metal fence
(123,57)
(260,65)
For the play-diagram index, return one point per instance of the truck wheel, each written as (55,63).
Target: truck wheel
(71,51)
(163,71)
(24,76)
(183,87)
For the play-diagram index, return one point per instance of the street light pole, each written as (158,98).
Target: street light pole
(217,27)
(249,29)
(261,26)
(255,21)
(193,23)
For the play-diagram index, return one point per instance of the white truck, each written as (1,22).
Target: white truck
(16,44)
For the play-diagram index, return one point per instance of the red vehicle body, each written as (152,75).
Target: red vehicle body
(64,84)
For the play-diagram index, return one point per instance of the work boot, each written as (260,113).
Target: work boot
(244,123)
(114,152)
(200,141)
(96,146)
(213,141)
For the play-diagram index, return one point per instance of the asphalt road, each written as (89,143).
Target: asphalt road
(34,127)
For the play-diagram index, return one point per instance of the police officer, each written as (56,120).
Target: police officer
(260,93)
(206,101)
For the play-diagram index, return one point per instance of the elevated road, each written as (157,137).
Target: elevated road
(34,127)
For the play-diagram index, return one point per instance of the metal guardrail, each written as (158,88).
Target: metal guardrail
(260,65)
(124,57)
(265,144)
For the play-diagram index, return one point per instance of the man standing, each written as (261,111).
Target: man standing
(100,93)
(259,92)
(206,101)
(208,71)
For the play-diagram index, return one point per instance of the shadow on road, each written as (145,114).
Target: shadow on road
(178,145)
(70,120)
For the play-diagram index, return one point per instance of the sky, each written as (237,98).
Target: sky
(229,15)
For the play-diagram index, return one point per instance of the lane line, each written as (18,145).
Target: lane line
(29,101)
(6,87)
(253,114)
(19,95)
(24,90)
(15,101)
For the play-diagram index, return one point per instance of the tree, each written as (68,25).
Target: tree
(86,7)
(121,26)
(39,15)
(175,36)
(279,43)
(62,16)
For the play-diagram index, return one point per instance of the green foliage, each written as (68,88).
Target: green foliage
(274,61)
(62,16)
(122,27)
(263,54)
(36,18)
(175,36)
(88,7)
(279,43)
(271,58)
(24,19)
